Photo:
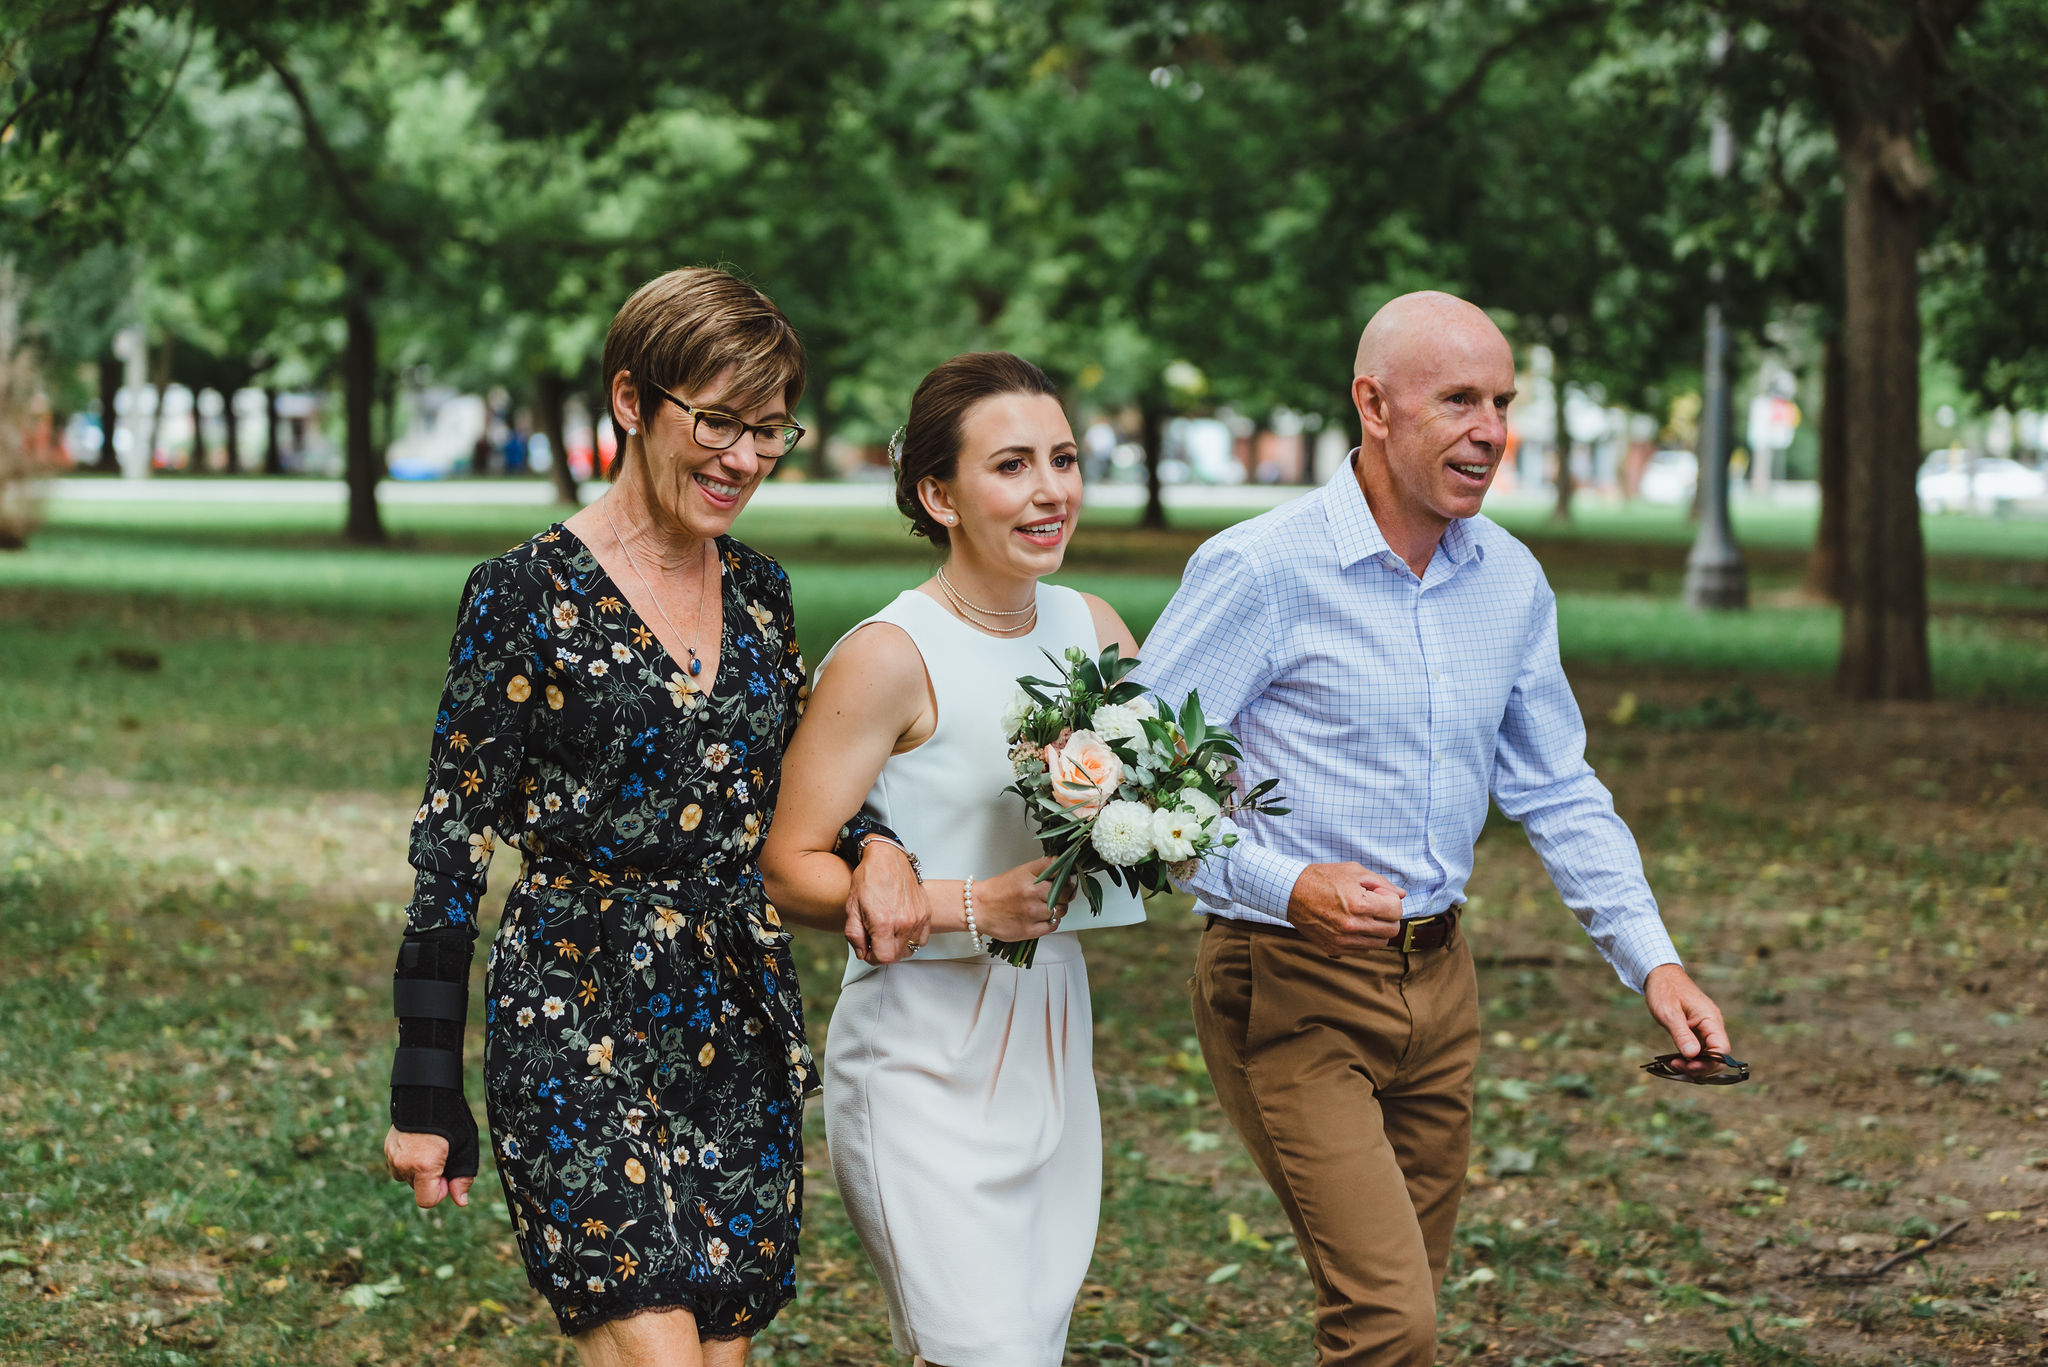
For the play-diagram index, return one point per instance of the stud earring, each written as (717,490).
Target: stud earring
(632,431)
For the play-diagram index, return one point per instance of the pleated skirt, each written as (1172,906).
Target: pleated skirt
(967,1144)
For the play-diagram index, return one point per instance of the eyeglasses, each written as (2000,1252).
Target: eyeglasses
(1671,1067)
(719,431)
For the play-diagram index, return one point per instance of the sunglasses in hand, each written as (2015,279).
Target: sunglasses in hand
(1672,1068)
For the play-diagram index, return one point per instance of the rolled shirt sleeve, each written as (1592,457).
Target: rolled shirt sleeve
(1214,640)
(1541,779)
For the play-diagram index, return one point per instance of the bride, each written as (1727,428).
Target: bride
(959,1091)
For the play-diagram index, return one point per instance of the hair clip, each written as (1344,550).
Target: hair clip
(896,447)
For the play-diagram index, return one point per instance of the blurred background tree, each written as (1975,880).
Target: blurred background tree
(1176,206)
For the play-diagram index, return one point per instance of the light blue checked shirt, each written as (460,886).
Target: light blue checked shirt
(1390,708)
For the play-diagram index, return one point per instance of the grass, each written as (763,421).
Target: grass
(201,864)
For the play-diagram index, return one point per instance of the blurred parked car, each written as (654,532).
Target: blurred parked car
(1670,477)
(1951,481)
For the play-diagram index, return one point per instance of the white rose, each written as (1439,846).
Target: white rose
(1208,813)
(1016,712)
(1173,834)
(1123,833)
(1114,721)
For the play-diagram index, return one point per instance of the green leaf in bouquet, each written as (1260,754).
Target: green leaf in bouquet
(1275,811)
(1092,889)
(1261,788)
(1112,665)
(1126,692)
(1194,727)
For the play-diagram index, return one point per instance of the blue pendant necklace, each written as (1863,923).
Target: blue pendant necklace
(696,666)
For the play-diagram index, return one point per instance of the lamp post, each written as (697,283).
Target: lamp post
(1714,572)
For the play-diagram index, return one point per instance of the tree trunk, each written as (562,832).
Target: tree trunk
(387,392)
(551,396)
(160,381)
(1561,511)
(197,461)
(1824,562)
(815,463)
(273,452)
(231,436)
(1152,417)
(359,396)
(1884,567)
(110,421)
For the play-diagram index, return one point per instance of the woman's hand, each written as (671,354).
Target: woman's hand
(418,1161)
(887,916)
(1011,905)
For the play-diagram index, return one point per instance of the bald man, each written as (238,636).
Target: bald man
(1390,656)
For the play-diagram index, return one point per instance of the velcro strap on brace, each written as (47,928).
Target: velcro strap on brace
(427,1068)
(424,998)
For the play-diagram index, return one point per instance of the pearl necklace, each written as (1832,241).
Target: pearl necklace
(947,580)
(696,666)
(967,611)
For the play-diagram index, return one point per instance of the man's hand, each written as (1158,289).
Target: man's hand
(1345,908)
(1689,1014)
(886,912)
(418,1160)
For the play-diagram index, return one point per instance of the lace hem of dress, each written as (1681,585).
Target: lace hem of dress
(712,1326)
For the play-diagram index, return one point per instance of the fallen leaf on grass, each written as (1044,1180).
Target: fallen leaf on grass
(1224,1273)
(368,1295)
(1989,1215)
(1241,1233)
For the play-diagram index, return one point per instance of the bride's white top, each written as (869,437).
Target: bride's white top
(945,798)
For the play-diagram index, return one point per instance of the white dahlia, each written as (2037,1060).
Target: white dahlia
(1115,721)
(1123,833)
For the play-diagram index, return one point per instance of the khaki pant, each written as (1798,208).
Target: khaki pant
(1350,1081)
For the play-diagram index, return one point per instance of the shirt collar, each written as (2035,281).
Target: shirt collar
(1355,532)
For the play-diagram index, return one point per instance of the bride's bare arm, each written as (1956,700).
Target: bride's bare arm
(872,701)
(1110,629)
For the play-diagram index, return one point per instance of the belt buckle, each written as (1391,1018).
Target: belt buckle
(1408,934)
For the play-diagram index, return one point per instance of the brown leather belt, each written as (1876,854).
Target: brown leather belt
(1417,933)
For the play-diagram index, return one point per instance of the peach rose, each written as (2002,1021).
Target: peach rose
(1085,772)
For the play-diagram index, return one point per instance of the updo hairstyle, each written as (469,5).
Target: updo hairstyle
(930,445)
(680,330)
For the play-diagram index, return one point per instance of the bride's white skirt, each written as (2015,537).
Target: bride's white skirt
(960,1110)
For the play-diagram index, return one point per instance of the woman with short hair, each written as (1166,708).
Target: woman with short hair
(620,689)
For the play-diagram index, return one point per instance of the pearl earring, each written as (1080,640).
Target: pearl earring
(632,431)
(950,521)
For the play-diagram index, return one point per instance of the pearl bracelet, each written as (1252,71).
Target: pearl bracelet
(967,898)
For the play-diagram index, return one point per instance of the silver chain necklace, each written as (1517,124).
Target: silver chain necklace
(696,666)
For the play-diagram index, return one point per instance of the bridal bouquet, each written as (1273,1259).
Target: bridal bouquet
(1117,785)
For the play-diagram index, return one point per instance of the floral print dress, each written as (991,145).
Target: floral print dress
(644,1060)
